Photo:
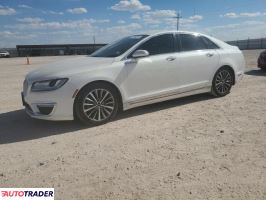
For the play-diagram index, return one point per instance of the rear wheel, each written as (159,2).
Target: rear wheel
(222,82)
(96,104)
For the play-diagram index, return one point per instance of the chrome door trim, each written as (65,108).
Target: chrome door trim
(167,96)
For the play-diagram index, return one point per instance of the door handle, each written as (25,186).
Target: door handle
(131,61)
(209,54)
(171,58)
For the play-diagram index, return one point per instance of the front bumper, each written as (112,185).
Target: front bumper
(4,55)
(51,105)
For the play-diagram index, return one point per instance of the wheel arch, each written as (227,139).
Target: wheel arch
(120,98)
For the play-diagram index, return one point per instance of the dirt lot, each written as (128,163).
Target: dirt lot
(196,147)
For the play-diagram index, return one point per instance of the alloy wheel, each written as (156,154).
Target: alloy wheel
(223,82)
(98,105)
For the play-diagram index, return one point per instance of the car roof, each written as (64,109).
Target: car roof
(218,42)
(215,40)
(165,32)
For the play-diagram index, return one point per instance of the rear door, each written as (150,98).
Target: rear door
(196,61)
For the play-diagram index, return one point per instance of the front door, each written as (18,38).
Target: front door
(151,76)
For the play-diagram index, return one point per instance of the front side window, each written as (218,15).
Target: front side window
(119,47)
(159,44)
(191,42)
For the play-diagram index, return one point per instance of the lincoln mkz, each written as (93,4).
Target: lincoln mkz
(131,72)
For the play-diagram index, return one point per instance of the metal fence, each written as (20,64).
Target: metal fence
(57,49)
(249,43)
(36,50)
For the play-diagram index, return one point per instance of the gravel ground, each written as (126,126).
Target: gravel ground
(197,147)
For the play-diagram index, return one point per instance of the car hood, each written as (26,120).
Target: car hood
(68,67)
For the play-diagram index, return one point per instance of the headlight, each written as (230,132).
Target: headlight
(48,85)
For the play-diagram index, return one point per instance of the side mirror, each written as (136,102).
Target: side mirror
(140,54)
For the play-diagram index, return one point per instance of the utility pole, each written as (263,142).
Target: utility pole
(94,41)
(178,17)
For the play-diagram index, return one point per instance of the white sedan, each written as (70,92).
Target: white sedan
(4,54)
(131,72)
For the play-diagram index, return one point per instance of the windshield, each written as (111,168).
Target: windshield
(119,47)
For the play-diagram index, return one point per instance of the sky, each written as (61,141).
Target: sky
(79,21)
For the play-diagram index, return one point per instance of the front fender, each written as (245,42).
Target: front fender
(114,76)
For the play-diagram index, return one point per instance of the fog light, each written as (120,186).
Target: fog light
(45,109)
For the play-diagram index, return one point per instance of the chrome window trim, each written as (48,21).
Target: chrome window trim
(145,40)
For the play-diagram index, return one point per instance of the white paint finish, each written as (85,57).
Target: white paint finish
(196,66)
(69,67)
(142,81)
(150,76)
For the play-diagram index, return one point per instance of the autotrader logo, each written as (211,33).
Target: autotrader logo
(26,193)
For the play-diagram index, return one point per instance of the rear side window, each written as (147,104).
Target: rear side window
(191,42)
(209,43)
(159,44)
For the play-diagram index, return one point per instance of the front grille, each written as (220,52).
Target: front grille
(25,86)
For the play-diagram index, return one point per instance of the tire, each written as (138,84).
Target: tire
(96,104)
(222,82)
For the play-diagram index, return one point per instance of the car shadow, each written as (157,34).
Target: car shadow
(164,105)
(16,126)
(256,72)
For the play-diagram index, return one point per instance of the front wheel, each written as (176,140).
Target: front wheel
(222,82)
(96,104)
